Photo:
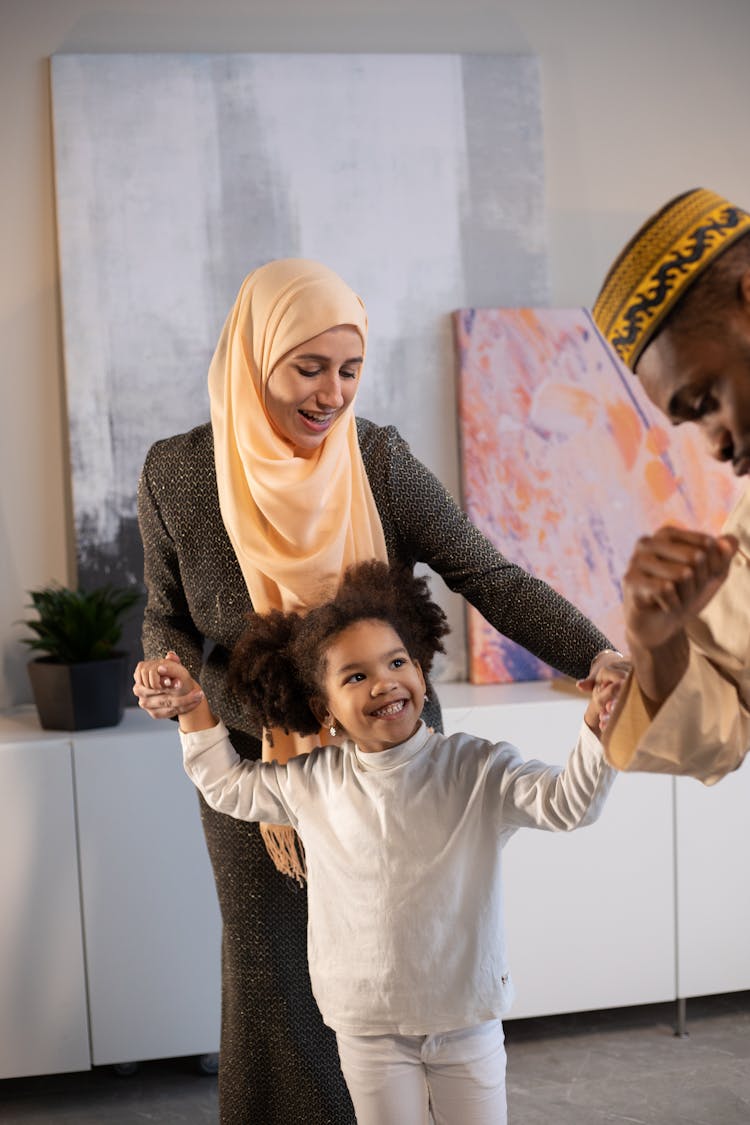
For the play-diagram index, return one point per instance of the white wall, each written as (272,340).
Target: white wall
(641,100)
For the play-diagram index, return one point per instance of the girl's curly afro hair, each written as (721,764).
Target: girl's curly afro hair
(278,665)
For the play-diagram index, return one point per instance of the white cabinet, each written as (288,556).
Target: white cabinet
(589,915)
(102,828)
(43,1021)
(101,849)
(713,886)
(151,919)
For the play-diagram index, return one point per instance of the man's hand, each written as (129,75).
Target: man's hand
(672,576)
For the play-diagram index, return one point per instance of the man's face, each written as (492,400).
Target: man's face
(704,377)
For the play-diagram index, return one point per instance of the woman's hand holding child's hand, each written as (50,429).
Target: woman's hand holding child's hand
(164,688)
(605,682)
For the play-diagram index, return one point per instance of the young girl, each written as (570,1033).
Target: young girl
(403,830)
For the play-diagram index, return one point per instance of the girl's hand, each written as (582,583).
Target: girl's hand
(608,661)
(608,684)
(165,688)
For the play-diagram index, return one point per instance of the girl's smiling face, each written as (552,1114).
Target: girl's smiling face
(374,691)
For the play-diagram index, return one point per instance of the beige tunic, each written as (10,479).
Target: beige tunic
(703,729)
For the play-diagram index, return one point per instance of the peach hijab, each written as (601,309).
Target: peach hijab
(295,522)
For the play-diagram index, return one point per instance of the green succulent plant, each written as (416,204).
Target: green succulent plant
(75,626)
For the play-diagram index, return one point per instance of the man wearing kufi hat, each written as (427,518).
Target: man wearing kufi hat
(675,306)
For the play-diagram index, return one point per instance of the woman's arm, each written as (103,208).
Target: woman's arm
(167,623)
(434,530)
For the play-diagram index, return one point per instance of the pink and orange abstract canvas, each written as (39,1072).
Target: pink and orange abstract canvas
(565,463)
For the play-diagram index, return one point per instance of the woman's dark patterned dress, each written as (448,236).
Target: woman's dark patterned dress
(278,1061)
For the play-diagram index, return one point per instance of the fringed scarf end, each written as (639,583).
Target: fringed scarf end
(286,851)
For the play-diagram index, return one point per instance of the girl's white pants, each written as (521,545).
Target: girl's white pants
(458,1076)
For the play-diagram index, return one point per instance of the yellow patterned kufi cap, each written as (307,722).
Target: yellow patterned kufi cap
(660,263)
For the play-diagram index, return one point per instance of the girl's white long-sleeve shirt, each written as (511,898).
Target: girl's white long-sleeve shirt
(403,849)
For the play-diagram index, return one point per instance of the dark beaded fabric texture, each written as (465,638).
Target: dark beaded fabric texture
(278,1061)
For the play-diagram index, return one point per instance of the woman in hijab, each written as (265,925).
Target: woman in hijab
(265,508)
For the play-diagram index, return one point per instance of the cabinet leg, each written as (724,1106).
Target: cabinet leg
(126,1069)
(681,1031)
(208,1064)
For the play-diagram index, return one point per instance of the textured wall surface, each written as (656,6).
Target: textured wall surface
(418,177)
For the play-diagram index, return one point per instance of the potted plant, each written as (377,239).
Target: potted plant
(79,682)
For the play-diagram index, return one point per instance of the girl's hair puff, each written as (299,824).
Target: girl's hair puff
(278,665)
(262,673)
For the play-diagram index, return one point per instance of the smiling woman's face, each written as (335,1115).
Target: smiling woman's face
(312,385)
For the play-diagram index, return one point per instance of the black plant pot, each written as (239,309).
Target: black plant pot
(79,696)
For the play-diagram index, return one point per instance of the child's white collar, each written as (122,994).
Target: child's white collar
(396,755)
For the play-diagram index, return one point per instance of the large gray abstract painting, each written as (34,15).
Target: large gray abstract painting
(419,178)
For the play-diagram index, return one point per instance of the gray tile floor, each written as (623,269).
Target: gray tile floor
(628,1066)
(599,1068)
